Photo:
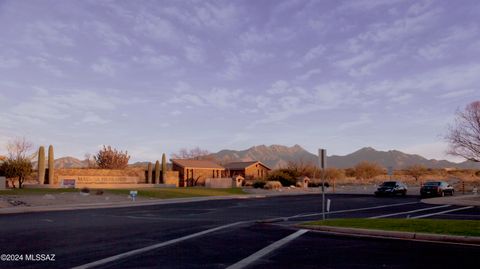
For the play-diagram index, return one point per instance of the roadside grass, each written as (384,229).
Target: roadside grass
(169,193)
(435,226)
(165,193)
(32,191)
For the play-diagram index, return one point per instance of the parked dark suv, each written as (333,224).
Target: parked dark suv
(436,188)
(391,188)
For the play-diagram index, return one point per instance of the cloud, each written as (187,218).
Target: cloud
(253,36)
(157,61)
(350,62)
(155,27)
(195,54)
(92,118)
(456,93)
(368,67)
(309,74)
(455,37)
(215,97)
(366,5)
(237,61)
(311,55)
(7,62)
(215,15)
(362,120)
(41,34)
(45,106)
(44,64)
(104,67)
(285,100)
(108,35)
(441,79)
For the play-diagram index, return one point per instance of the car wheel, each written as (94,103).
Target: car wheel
(452,192)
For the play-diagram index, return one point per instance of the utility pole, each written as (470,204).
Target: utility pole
(322,158)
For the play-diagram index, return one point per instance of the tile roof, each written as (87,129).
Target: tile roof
(242,165)
(196,163)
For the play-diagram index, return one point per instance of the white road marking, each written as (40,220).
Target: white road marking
(264,251)
(152,247)
(350,210)
(408,212)
(443,212)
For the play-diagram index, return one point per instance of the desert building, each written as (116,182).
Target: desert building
(194,172)
(248,170)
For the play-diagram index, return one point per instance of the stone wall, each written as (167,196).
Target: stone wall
(220,183)
(130,175)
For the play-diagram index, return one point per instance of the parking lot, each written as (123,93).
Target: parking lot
(219,234)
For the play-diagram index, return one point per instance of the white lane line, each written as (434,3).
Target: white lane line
(264,251)
(443,212)
(351,210)
(408,212)
(152,247)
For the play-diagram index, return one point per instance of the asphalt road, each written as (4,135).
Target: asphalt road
(180,235)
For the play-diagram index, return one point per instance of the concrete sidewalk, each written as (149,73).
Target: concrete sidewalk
(462,200)
(27,209)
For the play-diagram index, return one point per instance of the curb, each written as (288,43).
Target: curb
(17,210)
(441,238)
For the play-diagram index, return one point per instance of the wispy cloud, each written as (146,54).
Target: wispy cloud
(7,62)
(104,67)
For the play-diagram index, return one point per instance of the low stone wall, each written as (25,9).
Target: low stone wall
(220,183)
(99,176)
(102,186)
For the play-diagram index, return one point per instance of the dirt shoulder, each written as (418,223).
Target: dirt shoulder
(62,198)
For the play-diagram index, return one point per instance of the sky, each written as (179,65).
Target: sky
(156,76)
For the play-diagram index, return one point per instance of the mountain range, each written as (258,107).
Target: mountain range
(277,156)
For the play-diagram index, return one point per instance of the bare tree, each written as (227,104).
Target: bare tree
(18,164)
(416,171)
(303,168)
(367,170)
(464,136)
(90,160)
(193,154)
(20,148)
(332,173)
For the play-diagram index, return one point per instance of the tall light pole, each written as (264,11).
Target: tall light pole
(322,158)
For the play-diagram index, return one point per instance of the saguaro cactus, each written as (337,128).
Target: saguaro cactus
(149,173)
(51,164)
(164,167)
(41,165)
(157,172)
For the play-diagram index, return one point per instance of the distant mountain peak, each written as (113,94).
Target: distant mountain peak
(277,156)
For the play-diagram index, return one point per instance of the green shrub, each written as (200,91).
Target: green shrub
(317,184)
(285,177)
(85,190)
(259,184)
